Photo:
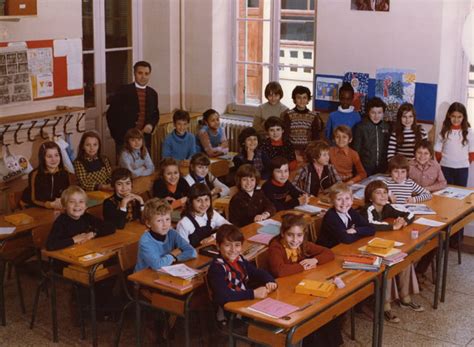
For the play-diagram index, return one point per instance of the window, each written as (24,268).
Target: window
(274,42)
(470,95)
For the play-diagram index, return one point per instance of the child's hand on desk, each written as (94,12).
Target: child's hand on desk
(261,217)
(260,293)
(410,200)
(216,191)
(183,200)
(56,204)
(303,199)
(271,286)
(309,263)
(207,240)
(399,223)
(351,231)
(81,238)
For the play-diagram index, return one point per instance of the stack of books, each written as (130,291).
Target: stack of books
(315,288)
(394,258)
(365,262)
(179,276)
(384,249)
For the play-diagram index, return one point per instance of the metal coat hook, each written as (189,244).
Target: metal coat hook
(3,134)
(15,135)
(79,121)
(54,127)
(33,123)
(66,120)
(46,121)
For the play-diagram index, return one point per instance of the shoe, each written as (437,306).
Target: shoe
(412,306)
(390,317)
(222,325)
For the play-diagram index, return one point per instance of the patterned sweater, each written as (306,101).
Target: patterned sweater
(92,172)
(301,127)
(407,147)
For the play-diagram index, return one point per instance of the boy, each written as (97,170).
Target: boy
(156,245)
(276,145)
(302,125)
(75,226)
(403,190)
(230,275)
(345,158)
(123,206)
(345,114)
(318,175)
(273,93)
(341,223)
(278,189)
(180,144)
(371,138)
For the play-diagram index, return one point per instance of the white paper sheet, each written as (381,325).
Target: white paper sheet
(429,222)
(7,230)
(61,48)
(270,222)
(74,76)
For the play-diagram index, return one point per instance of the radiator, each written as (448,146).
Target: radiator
(232,128)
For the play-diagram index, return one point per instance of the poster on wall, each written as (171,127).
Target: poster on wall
(40,62)
(370,5)
(327,88)
(360,82)
(394,87)
(14,77)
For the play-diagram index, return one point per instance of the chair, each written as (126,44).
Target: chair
(219,168)
(262,261)
(14,201)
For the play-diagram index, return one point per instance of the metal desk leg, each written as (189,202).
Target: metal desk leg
(231,330)
(2,293)
(375,327)
(186,319)
(54,313)
(137,315)
(445,263)
(92,303)
(438,270)
(382,302)
(289,337)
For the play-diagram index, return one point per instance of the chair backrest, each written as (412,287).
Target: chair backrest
(40,236)
(219,168)
(261,260)
(14,201)
(314,228)
(143,184)
(128,256)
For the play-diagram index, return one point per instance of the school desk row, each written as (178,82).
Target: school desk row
(359,285)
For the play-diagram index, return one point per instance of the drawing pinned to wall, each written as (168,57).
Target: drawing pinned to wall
(327,88)
(370,5)
(360,82)
(40,62)
(394,87)
(14,77)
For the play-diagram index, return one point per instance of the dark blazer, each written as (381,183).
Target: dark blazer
(123,110)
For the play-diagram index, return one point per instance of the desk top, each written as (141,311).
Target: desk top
(286,293)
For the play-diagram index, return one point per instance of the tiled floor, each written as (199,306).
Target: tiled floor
(451,325)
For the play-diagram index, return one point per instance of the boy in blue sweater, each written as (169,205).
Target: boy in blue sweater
(156,245)
(180,144)
(345,114)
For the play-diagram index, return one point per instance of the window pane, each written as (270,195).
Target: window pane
(471,74)
(251,82)
(118,23)
(254,9)
(253,41)
(118,70)
(470,105)
(297,4)
(297,30)
(89,82)
(87,26)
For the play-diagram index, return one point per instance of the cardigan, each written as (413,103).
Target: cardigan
(179,147)
(243,208)
(333,229)
(302,126)
(92,172)
(155,254)
(388,211)
(278,195)
(136,164)
(44,188)
(113,213)
(280,265)
(430,176)
(344,161)
(308,180)
(65,228)
(223,280)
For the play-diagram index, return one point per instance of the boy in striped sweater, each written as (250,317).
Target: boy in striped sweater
(403,190)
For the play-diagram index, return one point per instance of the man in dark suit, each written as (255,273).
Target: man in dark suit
(135,105)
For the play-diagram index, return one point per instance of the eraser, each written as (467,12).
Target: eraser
(339,282)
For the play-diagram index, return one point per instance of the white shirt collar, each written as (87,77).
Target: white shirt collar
(139,86)
(347,110)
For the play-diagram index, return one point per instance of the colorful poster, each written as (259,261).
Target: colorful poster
(44,85)
(394,87)
(327,88)
(360,82)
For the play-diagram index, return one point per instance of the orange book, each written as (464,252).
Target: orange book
(19,219)
(360,258)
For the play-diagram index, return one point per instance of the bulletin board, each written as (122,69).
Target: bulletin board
(55,67)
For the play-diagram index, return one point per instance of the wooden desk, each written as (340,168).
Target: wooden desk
(280,332)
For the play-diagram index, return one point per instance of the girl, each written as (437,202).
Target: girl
(288,254)
(406,133)
(250,153)
(199,173)
(454,145)
(134,155)
(424,170)
(212,137)
(93,171)
(249,205)
(274,107)
(49,180)
(199,219)
(378,209)
(171,186)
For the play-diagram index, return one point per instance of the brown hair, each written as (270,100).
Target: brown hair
(275,88)
(230,233)
(81,153)
(156,206)
(134,133)
(425,144)
(399,127)
(181,115)
(273,121)
(197,190)
(398,162)
(343,129)
(278,162)
(337,189)
(167,162)
(119,174)
(66,194)
(446,129)
(246,170)
(291,220)
(314,149)
(371,187)
(42,156)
